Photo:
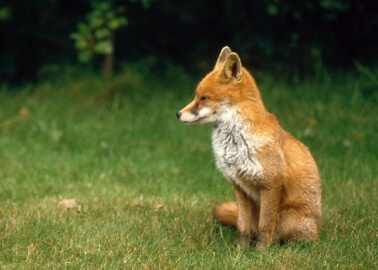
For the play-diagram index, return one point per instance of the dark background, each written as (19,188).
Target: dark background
(285,37)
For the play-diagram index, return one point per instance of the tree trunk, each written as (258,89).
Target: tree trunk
(108,62)
(107,66)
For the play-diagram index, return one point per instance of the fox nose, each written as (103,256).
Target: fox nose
(178,114)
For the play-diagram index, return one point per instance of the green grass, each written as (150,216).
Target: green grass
(147,183)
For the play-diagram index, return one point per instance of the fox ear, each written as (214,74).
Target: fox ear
(222,56)
(232,67)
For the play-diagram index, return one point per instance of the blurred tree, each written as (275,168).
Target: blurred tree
(96,36)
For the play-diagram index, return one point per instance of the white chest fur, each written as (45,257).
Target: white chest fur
(235,149)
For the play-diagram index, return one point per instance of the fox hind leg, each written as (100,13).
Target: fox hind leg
(294,225)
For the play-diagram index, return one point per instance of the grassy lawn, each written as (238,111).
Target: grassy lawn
(146,183)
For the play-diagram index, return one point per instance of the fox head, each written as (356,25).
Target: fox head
(224,87)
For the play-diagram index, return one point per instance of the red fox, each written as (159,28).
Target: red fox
(275,179)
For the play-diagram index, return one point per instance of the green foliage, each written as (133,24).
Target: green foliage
(5,13)
(341,5)
(145,3)
(147,183)
(284,36)
(95,36)
(369,87)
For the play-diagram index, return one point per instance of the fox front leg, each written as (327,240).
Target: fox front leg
(244,217)
(269,202)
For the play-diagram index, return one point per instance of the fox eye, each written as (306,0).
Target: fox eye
(203,98)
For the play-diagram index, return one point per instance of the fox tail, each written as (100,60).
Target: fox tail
(226,213)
